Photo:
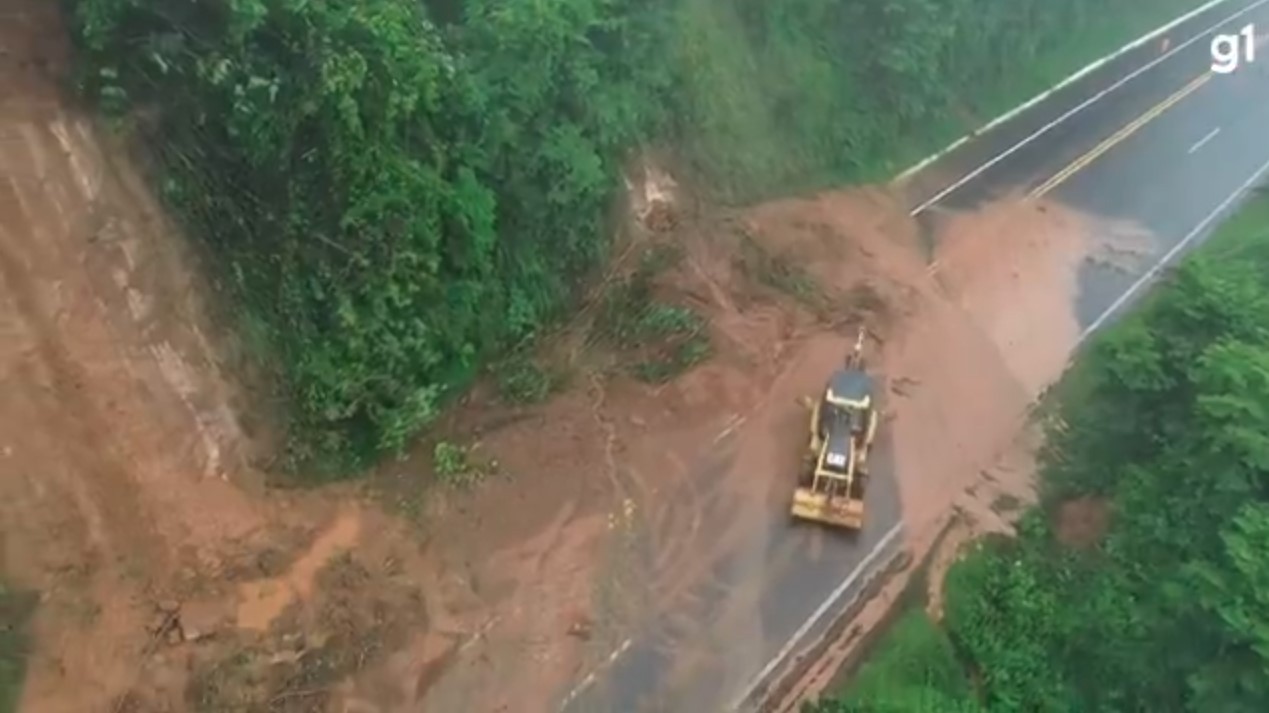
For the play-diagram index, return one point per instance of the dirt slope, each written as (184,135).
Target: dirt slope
(116,442)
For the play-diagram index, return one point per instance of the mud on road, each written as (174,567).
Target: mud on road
(172,577)
(962,348)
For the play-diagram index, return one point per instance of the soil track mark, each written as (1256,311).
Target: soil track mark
(115,413)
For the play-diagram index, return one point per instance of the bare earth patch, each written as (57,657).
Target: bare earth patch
(1082,522)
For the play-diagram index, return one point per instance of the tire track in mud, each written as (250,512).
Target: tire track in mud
(686,521)
(105,503)
(72,412)
(700,553)
(619,601)
(712,530)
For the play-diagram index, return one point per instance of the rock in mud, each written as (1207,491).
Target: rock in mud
(581,629)
(174,634)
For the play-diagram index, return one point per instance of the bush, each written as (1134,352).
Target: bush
(16,609)
(915,657)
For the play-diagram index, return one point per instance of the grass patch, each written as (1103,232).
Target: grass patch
(1243,239)
(914,656)
(780,99)
(16,609)
(778,273)
(455,466)
(911,666)
(675,360)
(660,340)
(524,380)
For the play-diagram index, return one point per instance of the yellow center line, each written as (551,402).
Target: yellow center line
(1083,161)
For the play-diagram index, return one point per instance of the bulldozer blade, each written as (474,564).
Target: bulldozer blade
(818,507)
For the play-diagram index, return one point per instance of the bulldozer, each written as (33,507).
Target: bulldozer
(834,474)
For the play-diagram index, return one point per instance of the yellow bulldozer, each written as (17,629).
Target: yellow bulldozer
(843,424)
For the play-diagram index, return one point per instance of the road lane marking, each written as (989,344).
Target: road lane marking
(1072,112)
(1096,152)
(827,604)
(1203,141)
(1075,77)
(590,677)
(1194,233)
(1169,255)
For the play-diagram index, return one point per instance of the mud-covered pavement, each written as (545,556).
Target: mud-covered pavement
(959,369)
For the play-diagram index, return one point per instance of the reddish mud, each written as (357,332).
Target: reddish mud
(995,326)
(954,391)
(118,441)
(629,451)
(1012,267)
(1082,522)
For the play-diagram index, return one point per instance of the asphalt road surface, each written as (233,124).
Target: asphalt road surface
(1167,148)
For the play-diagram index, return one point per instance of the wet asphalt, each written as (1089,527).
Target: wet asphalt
(1176,176)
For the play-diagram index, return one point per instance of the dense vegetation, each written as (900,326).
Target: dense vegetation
(1166,423)
(15,613)
(393,191)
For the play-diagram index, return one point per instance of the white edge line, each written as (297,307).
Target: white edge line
(1203,141)
(1168,256)
(590,677)
(1082,105)
(1196,232)
(815,617)
(1078,75)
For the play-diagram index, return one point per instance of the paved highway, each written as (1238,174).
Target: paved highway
(1173,146)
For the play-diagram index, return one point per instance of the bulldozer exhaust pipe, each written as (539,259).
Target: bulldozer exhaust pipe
(856,358)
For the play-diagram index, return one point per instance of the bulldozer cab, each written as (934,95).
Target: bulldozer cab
(846,407)
(847,402)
